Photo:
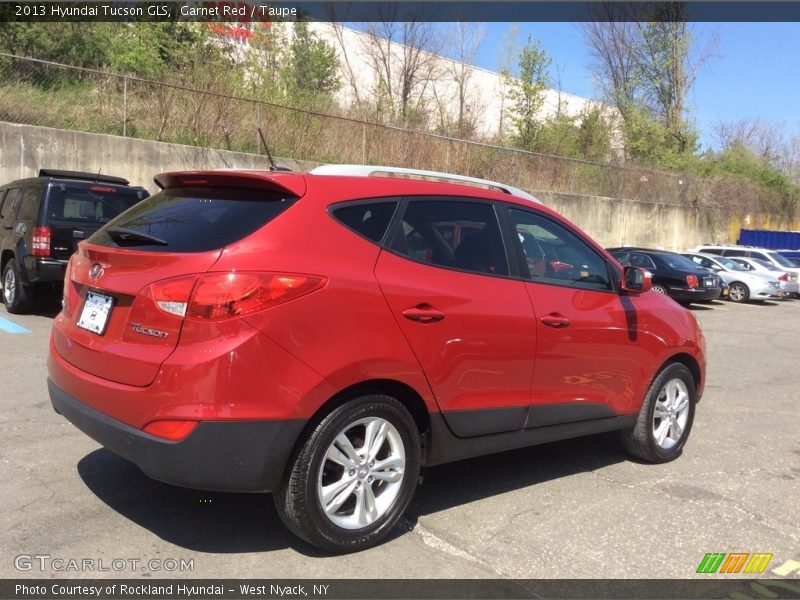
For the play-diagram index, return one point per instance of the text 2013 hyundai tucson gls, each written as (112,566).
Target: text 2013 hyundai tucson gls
(324,336)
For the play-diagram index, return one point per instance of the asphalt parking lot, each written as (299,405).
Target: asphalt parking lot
(574,509)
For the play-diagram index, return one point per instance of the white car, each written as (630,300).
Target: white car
(731,251)
(745,284)
(788,281)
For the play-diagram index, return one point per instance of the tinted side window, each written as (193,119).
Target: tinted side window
(553,254)
(30,202)
(641,260)
(453,234)
(734,253)
(8,204)
(370,219)
(760,255)
(193,219)
(712,251)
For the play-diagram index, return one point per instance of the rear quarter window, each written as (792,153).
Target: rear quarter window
(194,219)
(370,219)
(30,203)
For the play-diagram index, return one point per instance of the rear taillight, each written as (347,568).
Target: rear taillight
(221,296)
(784,277)
(41,241)
(691,281)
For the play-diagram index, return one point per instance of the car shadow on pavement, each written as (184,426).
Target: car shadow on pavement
(238,523)
(201,521)
(451,485)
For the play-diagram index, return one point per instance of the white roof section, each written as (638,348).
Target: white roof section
(378,171)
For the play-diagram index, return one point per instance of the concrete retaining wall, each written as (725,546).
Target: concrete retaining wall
(25,149)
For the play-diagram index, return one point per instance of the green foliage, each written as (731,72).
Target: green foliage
(527,94)
(585,136)
(314,66)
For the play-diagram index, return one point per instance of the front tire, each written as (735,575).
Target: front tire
(739,292)
(353,477)
(666,417)
(17,297)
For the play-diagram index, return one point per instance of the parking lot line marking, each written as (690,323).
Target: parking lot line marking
(12,327)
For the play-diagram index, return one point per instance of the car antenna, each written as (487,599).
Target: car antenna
(97,178)
(272,165)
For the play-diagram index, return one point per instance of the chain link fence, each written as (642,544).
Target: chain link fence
(48,94)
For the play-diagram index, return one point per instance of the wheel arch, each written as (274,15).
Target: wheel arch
(5,256)
(690,362)
(402,392)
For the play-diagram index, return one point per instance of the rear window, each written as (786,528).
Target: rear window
(193,219)
(88,203)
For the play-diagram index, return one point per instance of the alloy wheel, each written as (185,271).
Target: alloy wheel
(361,473)
(671,413)
(9,286)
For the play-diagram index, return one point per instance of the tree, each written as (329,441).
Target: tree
(466,40)
(404,57)
(314,69)
(527,93)
(646,64)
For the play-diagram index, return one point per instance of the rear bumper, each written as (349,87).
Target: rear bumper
(694,294)
(231,456)
(45,270)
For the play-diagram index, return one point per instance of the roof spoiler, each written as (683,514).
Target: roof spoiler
(96,177)
(293,183)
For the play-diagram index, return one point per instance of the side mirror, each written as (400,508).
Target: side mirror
(636,281)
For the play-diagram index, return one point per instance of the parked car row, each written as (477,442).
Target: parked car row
(738,273)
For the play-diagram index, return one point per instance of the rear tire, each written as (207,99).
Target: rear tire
(344,493)
(659,289)
(17,297)
(666,417)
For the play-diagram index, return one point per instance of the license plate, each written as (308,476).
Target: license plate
(95,313)
(709,282)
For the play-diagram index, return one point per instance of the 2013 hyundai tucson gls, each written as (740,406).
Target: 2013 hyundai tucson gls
(324,336)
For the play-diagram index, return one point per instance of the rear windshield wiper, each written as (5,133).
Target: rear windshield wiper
(122,235)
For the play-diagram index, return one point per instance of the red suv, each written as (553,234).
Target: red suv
(325,336)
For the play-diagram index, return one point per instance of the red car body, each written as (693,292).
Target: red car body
(483,361)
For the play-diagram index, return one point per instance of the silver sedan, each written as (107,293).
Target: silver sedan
(787,279)
(744,284)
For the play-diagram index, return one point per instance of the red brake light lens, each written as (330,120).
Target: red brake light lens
(784,277)
(220,296)
(692,281)
(172,430)
(102,189)
(41,241)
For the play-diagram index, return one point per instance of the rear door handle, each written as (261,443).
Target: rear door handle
(423,313)
(555,320)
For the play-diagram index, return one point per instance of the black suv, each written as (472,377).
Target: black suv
(673,275)
(43,218)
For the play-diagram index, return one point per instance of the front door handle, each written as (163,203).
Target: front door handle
(555,320)
(423,313)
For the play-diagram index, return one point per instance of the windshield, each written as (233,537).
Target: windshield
(765,264)
(88,203)
(781,259)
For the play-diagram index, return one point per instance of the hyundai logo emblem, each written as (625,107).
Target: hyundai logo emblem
(96,272)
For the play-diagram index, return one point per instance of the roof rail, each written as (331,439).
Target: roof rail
(80,175)
(401,172)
